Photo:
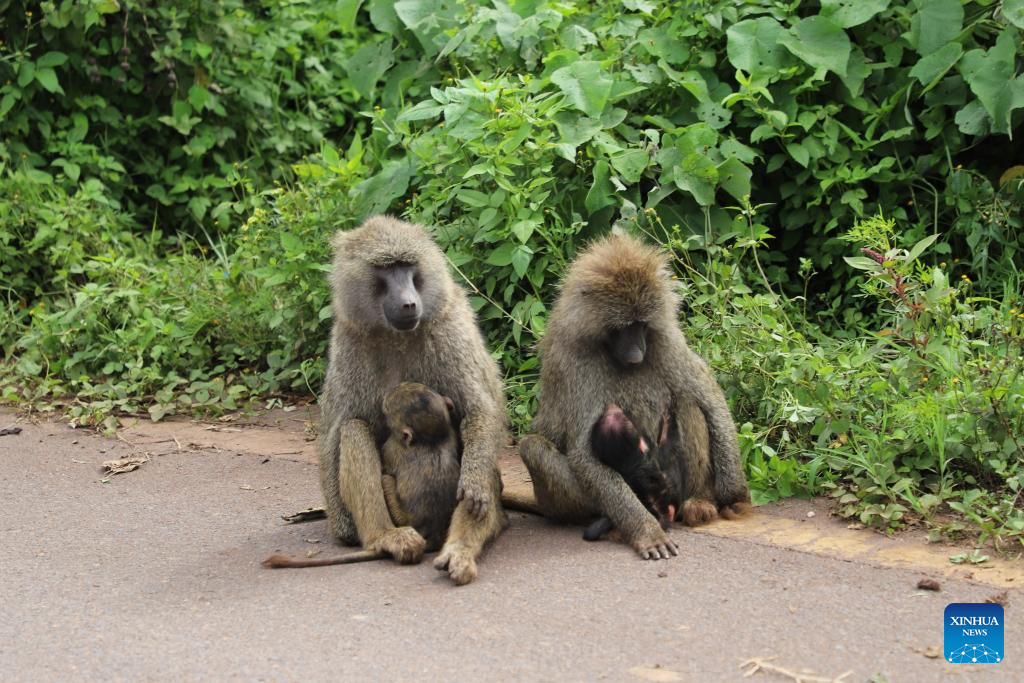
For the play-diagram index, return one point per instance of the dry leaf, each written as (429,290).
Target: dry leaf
(307,515)
(929,585)
(122,465)
(246,487)
(10,431)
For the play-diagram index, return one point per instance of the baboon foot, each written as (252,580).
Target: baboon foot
(735,510)
(698,511)
(402,543)
(458,561)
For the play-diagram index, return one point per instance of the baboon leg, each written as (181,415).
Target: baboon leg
(558,493)
(359,482)
(398,513)
(468,535)
(698,471)
(339,520)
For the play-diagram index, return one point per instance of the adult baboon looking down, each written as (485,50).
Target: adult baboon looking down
(614,338)
(399,317)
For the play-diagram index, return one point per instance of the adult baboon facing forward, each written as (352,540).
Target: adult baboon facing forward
(614,337)
(399,317)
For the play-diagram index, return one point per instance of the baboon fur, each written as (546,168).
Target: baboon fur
(614,283)
(368,357)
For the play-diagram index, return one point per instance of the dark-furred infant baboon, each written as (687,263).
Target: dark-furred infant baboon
(617,443)
(399,317)
(613,337)
(421,461)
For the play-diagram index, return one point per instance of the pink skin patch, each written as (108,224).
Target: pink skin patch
(672,512)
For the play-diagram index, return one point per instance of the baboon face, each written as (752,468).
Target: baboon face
(397,288)
(628,345)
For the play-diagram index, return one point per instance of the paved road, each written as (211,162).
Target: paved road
(155,576)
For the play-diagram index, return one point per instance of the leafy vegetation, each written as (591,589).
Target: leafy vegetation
(835,179)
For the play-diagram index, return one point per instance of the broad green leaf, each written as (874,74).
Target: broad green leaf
(861,263)
(376,194)
(26,72)
(990,74)
(585,84)
(48,79)
(347,11)
(383,16)
(936,23)
(819,42)
(930,69)
(290,242)
(368,64)
(697,175)
(630,164)
(427,109)
(6,103)
(1013,10)
(799,153)
(972,119)
(52,59)
(848,13)
(198,97)
(521,258)
(754,46)
(919,248)
(734,178)
(602,192)
(502,256)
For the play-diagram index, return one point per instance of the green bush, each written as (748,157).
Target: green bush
(170,174)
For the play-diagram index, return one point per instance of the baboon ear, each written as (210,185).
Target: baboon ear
(450,404)
(406,436)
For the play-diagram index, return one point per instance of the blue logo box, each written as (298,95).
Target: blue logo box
(973,633)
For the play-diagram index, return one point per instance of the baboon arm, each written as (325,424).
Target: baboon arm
(609,490)
(360,481)
(481,430)
(398,513)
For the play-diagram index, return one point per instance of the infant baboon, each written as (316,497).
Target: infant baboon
(421,461)
(399,317)
(619,444)
(421,471)
(613,337)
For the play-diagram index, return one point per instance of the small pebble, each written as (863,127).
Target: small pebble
(810,514)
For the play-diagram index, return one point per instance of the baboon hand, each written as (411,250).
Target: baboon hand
(477,497)
(654,543)
(402,543)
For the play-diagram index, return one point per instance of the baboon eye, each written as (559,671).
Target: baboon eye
(417,280)
(380,286)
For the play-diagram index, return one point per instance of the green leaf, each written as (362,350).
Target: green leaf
(198,97)
(586,85)
(368,64)
(819,42)
(630,164)
(734,178)
(861,263)
(48,79)
(502,256)
(930,69)
(427,109)
(376,194)
(848,13)
(936,23)
(754,46)
(697,175)
(920,247)
(6,103)
(799,153)
(1013,10)
(52,59)
(26,72)
(990,73)
(521,258)
(602,192)
(347,11)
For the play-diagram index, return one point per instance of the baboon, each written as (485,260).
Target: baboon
(399,317)
(613,337)
(421,461)
(617,443)
(421,471)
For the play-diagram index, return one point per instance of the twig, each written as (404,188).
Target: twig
(763,664)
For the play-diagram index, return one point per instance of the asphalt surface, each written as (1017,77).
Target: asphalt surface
(155,575)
